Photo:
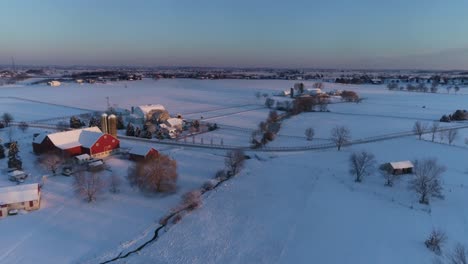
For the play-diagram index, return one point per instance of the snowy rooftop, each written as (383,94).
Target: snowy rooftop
(83,157)
(150,107)
(19,193)
(173,122)
(85,137)
(140,150)
(401,164)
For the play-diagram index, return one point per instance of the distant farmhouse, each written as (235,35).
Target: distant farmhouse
(19,197)
(89,141)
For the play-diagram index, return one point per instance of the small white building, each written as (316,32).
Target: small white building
(54,83)
(313,91)
(20,197)
(82,159)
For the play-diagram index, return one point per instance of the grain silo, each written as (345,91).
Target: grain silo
(104,126)
(112,125)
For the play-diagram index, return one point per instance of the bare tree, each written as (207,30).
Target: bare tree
(452,135)
(341,136)
(114,183)
(7,118)
(419,128)
(361,164)
(457,88)
(51,161)
(459,255)
(309,133)
(434,128)
(435,241)
(234,161)
(442,135)
(23,126)
(88,185)
(155,174)
(389,177)
(427,179)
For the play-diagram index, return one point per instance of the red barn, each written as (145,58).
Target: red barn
(76,142)
(138,153)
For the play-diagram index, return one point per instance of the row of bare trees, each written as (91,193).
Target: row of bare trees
(420,129)
(426,181)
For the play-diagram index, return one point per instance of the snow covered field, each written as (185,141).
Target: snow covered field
(299,207)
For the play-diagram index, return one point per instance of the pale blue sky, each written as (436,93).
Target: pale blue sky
(301,33)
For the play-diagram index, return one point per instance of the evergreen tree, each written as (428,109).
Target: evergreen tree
(13,159)
(120,122)
(130,130)
(2,152)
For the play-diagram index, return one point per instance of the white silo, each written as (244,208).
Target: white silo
(104,125)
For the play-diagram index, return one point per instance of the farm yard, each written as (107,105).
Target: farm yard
(283,207)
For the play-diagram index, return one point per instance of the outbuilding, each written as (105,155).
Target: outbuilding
(399,167)
(138,153)
(20,197)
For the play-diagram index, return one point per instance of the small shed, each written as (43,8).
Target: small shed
(19,197)
(399,167)
(82,159)
(138,153)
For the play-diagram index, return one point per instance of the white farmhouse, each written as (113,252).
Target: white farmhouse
(19,197)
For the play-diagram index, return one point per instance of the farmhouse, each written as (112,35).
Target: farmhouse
(399,167)
(19,197)
(89,141)
(138,153)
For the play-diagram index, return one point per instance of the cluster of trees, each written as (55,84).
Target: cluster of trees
(458,115)
(309,104)
(427,174)
(350,96)
(6,119)
(154,174)
(421,87)
(267,130)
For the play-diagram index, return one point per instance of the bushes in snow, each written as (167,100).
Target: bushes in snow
(435,241)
